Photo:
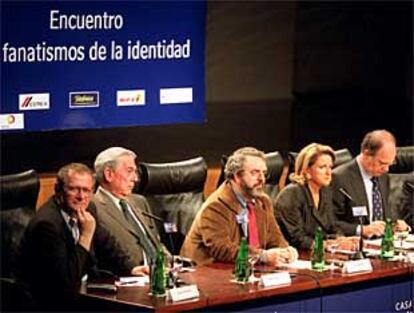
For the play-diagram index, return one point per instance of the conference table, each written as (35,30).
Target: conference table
(389,287)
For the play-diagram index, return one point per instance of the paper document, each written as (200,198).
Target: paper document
(299,264)
(132,281)
(307,265)
(406,245)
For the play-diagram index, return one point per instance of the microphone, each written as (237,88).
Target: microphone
(410,186)
(360,254)
(343,191)
(169,227)
(155,217)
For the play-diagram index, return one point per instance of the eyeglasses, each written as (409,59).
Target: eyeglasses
(75,190)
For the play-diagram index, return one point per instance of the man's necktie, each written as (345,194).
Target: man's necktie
(146,243)
(377,210)
(74,228)
(253,233)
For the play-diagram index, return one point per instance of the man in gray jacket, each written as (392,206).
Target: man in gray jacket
(120,211)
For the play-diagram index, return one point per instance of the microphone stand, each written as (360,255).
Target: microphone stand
(171,282)
(168,230)
(360,253)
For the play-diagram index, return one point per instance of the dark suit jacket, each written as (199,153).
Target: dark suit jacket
(52,265)
(111,218)
(405,205)
(298,217)
(348,177)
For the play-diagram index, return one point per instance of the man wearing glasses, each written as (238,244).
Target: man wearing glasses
(364,182)
(63,243)
(238,208)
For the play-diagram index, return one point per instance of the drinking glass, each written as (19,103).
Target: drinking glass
(175,270)
(402,235)
(253,258)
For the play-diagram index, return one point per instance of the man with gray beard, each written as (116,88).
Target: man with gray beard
(238,208)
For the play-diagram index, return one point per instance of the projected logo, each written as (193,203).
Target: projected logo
(130,97)
(34,101)
(83,99)
(12,121)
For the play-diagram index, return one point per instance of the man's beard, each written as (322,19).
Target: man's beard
(252,192)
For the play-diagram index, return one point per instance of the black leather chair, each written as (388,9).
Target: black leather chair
(342,156)
(222,177)
(404,160)
(275,165)
(175,194)
(19,193)
(15,297)
(401,172)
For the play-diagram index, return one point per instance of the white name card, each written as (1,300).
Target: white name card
(359,211)
(355,266)
(410,257)
(275,279)
(184,293)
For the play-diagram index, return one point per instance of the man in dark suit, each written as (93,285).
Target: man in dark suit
(121,212)
(364,182)
(405,203)
(63,242)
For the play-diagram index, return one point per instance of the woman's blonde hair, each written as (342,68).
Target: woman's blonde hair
(306,158)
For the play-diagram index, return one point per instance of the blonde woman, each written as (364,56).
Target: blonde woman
(306,203)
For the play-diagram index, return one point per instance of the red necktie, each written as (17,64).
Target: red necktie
(253,233)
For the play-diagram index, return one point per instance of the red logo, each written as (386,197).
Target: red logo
(26,102)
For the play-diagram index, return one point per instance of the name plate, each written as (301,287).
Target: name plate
(359,211)
(275,279)
(356,266)
(410,257)
(184,293)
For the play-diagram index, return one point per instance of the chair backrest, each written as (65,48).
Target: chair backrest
(175,193)
(402,170)
(222,177)
(15,297)
(275,165)
(404,160)
(342,156)
(19,194)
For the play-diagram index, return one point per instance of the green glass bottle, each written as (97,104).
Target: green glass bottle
(158,279)
(318,253)
(241,270)
(387,244)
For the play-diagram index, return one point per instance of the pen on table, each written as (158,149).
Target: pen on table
(126,283)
